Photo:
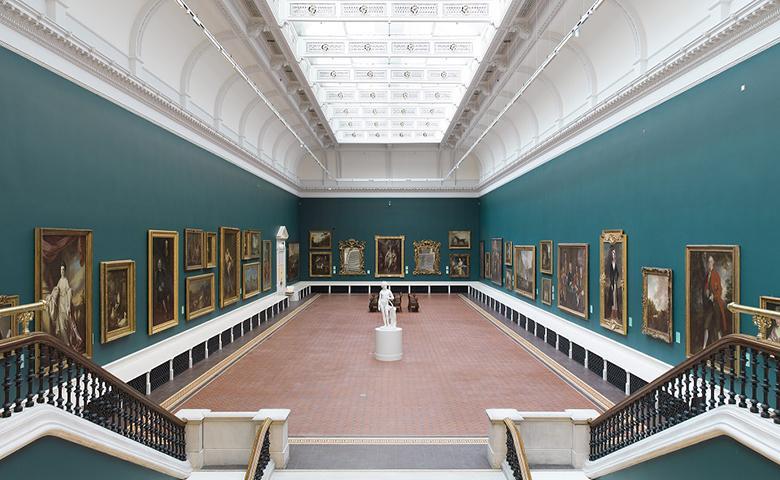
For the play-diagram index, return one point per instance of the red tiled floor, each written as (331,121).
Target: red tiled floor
(321,366)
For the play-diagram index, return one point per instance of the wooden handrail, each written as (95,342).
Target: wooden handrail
(257,450)
(523,470)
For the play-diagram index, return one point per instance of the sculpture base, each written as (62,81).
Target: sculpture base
(388,345)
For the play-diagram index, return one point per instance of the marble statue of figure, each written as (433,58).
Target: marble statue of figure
(386,305)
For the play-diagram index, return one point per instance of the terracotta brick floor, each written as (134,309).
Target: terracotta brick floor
(321,366)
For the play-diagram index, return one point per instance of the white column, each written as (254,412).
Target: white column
(581,435)
(496,449)
(279,447)
(193,435)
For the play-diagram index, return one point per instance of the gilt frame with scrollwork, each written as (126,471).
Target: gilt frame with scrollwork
(420,246)
(360,245)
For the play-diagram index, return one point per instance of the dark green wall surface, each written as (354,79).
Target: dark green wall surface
(362,218)
(698,169)
(53,457)
(718,459)
(75,160)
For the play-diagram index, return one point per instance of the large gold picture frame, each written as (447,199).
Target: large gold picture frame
(546,257)
(229,266)
(320,264)
(194,249)
(657,303)
(267,264)
(9,324)
(613,285)
(573,279)
(525,270)
(200,295)
(352,257)
(772,332)
(63,262)
(389,256)
(427,257)
(162,280)
(117,299)
(210,249)
(250,279)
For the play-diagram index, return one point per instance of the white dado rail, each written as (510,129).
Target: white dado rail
(143,361)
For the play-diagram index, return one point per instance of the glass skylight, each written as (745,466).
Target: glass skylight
(389,72)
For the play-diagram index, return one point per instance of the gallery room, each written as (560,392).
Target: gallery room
(348,239)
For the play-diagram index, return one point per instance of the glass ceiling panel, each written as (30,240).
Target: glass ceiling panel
(389,72)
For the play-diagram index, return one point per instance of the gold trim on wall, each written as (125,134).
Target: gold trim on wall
(646,329)
(548,271)
(419,245)
(187,246)
(377,238)
(586,298)
(172,235)
(225,301)
(211,242)
(268,250)
(614,237)
(244,268)
(105,268)
(517,250)
(13,322)
(205,310)
(352,243)
(330,263)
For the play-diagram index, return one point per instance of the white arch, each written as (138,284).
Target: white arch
(248,109)
(634,21)
(139,29)
(576,49)
(269,121)
(280,140)
(195,55)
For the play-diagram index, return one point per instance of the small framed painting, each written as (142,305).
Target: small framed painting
(459,239)
(201,295)
(250,244)
(508,253)
(193,249)
(460,265)
(117,299)
(573,278)
(546,290)
(320,240)
(525,270)
(251,279)
(546,257)
(211,249)
(320,264)
(657,310)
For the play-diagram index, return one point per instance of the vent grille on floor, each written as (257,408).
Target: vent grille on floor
(198,353)
(636,383)
(226,338)
(540,330)
(247,325)
(159,375)
(236,331)
(181,363)
(616,376)
(551,337)
(139,384)
(578,354)
(595,364)
(563,344)
(255,321)
(530,325)
(213,344)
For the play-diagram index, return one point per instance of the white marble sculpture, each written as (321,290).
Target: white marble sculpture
(386,306)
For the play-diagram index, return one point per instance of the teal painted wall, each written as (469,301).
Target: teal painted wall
(362,218)
(73,159)
(697,169)
(718,459)
(53,457)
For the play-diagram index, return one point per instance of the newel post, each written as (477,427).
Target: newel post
(496,449)
(279,445)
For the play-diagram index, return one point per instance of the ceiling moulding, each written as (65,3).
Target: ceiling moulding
(44,32)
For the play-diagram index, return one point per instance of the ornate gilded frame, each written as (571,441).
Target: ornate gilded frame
(244,268)
(454,247)
(517,250)
(267,260)
(665,336)
(467,257)
(497,260)
(611,238)
(508,253)
(225,301)
(87,234)
(174,236)
(328,235)
(105,268)
(187,246)
(765,329)
(246,244)
(584,247)
(419,247)
(330,263)
(210,243)
(486,266)
(546,286)
(377,238)
(7,301)
(203,311)
(481,259)
(352,243)
(549,245)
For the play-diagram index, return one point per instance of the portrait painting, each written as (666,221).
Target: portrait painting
(525,270)
(250,244)
(320,240)
(481,259)
(460,265)
(546,292)
(211,249)
(573,278)
(426,257)
(251,279)
(8,323)
(267,262)
(194,253)
(293,260)
(117,299)
(352,257)
(201,295)
(657,310)
(546,257)
(229,265)
(163,280)
(63,279)
(496,260)
(509,279)
(772,331)
(508,253)
(711,283)
(389,261)
(320,264)
(459,239)
(613,314)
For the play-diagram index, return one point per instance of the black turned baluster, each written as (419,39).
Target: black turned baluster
(731,372)
(69,386)
(764,384)
(30,376)
(7,384)
(742,377)
(78,389)
(753,355)
(712,400)
(41,372)
(18,357)
(776,413)
(50,361)
(60,387)
(721,381)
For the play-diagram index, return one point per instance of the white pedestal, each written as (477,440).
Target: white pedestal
(389,344)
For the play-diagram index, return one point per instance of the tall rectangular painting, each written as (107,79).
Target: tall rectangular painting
(229,265)
(163,280)
(573,278)
(117,299)
(496,260)
(267,264)
(525,270)
(293,261)
(389,261)
(612,281)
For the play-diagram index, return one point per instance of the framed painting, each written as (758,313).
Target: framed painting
(772,332)
(293,260)
(163,280)
(496,256)
(525,270)
(211,249)
(486,264)
(546,257)
(427,259)
(352,257)
(481,259)
(459,239)
(657,310)
(117,299)
(250,244)
(194,252)
(201,295)
(229,266)
(267,262)
(508,253)
(251,279)
(573,278)
(8,323)
(711,283)
(320,264)
(546,292)
(320,240)
(389,260)
(460,265)
(509,279)
(613,311)
(63,278)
